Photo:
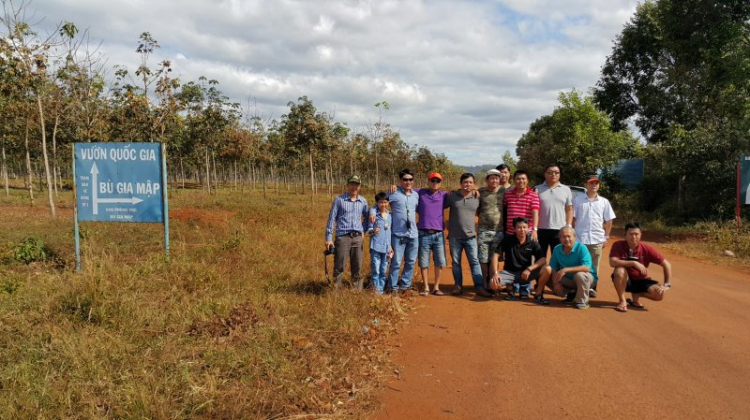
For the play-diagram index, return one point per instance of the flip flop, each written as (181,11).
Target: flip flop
(423,293)
(619,308)
(437,292)
(634,305)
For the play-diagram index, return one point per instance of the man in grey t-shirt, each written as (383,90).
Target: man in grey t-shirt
(555,208)
(462,234)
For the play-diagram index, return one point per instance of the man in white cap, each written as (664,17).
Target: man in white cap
(592,218)
(490,214)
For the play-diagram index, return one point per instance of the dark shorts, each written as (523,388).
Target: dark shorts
(638,286)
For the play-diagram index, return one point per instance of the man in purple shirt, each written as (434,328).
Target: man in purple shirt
(431,225)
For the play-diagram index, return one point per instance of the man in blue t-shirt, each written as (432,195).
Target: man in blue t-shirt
(571,268)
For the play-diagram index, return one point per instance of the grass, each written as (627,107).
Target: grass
(239,323)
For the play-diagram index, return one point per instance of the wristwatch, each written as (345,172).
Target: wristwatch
(534,229)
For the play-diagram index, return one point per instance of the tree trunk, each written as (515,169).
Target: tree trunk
(5,170)
(29,172)
(312,175)
(377,170)
(55,164)
(182,173)
(47,171)
(208,172)
(681,194)
(216,176)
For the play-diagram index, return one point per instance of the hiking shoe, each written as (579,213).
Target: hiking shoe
(570,297)
(582,305)
(592,293)
(541,300)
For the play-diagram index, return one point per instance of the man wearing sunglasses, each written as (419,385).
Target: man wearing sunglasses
(431,228)
(404,236)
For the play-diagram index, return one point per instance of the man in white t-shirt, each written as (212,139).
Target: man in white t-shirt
(592,218)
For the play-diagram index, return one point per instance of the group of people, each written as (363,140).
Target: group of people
(515,224)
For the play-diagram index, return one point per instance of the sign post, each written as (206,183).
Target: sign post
(120,182)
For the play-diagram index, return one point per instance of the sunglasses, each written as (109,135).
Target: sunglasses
(408,179)
(435,181)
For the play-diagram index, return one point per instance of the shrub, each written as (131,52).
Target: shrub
(31,250)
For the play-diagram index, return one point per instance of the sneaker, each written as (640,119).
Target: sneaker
(582,305)
(541,300)
(592,293)
(457,290)
(570,297)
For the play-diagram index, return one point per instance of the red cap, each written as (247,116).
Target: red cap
(435,175)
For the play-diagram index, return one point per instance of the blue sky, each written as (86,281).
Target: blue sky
(463,78)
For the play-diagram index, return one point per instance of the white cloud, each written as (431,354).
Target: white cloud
(465,79)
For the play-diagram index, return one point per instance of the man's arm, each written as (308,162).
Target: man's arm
(667,271)
(535,218)
(331,220)
(569,215)
(616,262)
(607,228)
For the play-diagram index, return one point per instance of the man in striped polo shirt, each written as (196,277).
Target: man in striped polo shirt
(347,212)
(521,201)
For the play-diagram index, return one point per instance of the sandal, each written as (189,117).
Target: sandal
(424,292)
(635,305)
(437,292)
(621,308)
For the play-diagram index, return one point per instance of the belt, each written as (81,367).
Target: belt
(352,234)
(430,231)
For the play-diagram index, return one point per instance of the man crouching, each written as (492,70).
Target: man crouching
(524,262)
(571,268)
(630,259)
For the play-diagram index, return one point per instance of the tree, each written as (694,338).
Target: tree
(576,136)
(679,71)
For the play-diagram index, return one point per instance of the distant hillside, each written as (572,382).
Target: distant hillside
(479,168)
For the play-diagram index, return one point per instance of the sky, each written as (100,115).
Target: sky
(464,78)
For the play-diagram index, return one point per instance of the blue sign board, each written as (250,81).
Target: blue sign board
(119,182)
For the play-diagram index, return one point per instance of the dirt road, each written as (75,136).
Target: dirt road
(687,357)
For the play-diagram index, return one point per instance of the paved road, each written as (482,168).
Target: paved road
(687,357)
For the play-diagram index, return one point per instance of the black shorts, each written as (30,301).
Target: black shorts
(638,286)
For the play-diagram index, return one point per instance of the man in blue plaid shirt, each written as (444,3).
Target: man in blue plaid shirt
(347,213)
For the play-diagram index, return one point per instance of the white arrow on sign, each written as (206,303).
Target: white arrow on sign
(96,200)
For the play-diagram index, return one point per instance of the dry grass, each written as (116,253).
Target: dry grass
(239,324)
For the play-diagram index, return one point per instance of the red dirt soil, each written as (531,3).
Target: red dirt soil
(687,357)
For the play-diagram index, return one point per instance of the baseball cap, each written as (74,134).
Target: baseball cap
(592,178)
(355,179)
(435,175)
(492,172)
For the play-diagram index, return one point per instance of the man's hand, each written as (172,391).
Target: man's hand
(558,289)
(534,236)
(525,274)
(376,230)
(329,245)
(495,282)
(641,268)
(475,194)
(392,189)
(557,277)
(372,218)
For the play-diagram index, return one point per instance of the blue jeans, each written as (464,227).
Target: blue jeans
(378,267)
(431,241)
(470,246)
(404,249)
